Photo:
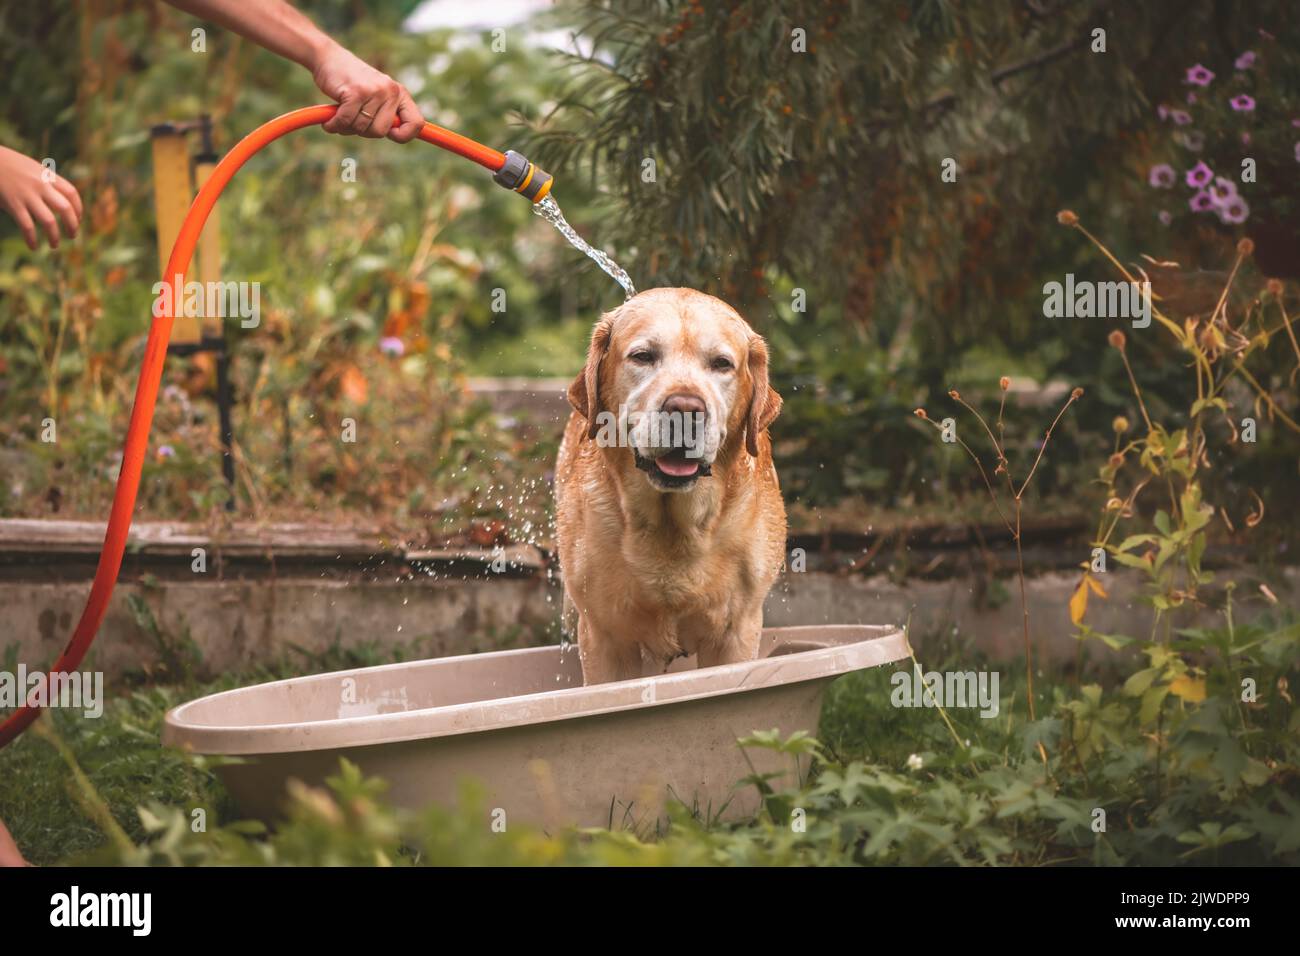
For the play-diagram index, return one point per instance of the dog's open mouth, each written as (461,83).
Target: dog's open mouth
(674,468)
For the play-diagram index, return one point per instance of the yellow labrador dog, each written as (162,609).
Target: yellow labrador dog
(670,522)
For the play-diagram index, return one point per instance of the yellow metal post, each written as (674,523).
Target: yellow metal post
(209,250)
(173,191)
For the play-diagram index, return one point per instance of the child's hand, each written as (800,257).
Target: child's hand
(37,197)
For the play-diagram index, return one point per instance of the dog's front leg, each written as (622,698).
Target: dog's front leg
(604,657)
(738,643)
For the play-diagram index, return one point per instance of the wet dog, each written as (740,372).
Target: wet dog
(670,523)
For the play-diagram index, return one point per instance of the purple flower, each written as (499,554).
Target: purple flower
(1246,60)
(1198,76)
(1193,140)
(1245,139)
(1223,191)
(1191,98)
(1199,175)
(1161,176)
(1242,103)
(1162,111)
(166,451)
(1180,117)
(1297,152)
(1165,217)
(391,345)
(1234,212)
(1201,202)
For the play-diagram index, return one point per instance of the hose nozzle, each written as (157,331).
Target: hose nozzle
(521,175)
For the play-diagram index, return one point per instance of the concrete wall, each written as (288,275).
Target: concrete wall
(237,622)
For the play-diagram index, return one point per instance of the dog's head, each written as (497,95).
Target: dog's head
(680,378)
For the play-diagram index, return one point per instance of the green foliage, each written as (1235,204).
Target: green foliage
(1215,793)
(778,170)
(1211,781)
(411,251)
(912,287)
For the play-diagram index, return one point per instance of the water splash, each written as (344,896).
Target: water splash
(549,210)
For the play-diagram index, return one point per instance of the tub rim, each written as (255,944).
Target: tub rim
(880,644)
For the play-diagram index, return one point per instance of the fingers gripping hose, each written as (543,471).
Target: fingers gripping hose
(512,171)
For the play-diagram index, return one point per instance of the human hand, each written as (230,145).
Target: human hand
(368,100)
(9,854)
(37,197)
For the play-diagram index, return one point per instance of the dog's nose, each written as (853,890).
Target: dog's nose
(684,404)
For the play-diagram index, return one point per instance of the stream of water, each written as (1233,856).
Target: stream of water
(549,210)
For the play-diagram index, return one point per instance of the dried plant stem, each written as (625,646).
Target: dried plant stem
(1142,405)
(1268,399)
(1017,497)
(1024,613)
(1104,539)
(980,418)
(1020,557)
(1227,286)
(1046,438)
(917,665)
(983,474)
(1290,333)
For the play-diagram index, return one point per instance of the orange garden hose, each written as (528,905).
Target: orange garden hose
(512,171)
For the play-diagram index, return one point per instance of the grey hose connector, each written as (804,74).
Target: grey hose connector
(520,175)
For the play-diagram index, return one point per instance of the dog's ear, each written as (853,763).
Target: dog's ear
(584,391)
(764,402)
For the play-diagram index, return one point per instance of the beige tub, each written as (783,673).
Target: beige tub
(548,749)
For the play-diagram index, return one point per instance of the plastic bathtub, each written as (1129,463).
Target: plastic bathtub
(548,750)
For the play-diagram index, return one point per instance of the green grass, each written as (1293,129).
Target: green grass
(121,754)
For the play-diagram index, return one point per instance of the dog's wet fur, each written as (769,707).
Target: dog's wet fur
(667,551)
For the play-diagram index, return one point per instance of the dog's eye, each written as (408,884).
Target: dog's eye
(642,356)
(721,364)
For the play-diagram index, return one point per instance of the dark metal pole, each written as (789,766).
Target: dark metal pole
(224,401)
